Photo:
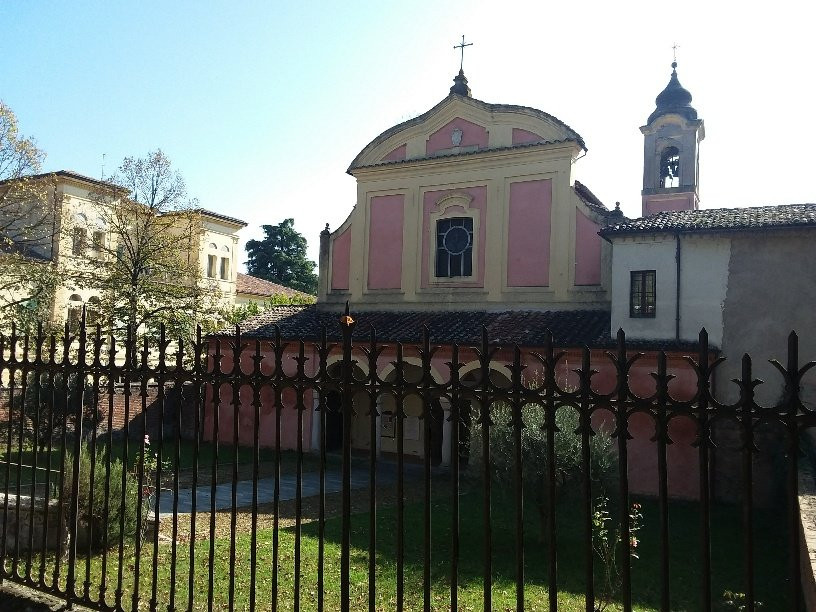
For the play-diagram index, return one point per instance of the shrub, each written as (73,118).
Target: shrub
(569,466)
(92,512)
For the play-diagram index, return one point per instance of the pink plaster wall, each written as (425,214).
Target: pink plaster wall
(341,260)
(397,154)
(681,202)
(587,250)
(521,136)
(682,456)
(227,404)
(528,238)
(479,204)
(385,242)
(472,134)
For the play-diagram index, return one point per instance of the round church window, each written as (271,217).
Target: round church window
(456,240)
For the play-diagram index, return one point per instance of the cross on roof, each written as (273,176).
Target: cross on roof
(462,47)
(675,46)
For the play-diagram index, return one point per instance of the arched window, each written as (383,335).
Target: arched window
(670,167)
(74,311)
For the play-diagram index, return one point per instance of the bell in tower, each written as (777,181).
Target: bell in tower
(671,167)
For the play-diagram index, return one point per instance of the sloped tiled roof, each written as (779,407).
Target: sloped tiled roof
(259,286)
(719,220)
(570,328)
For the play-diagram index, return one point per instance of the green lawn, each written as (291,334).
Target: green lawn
(727,560)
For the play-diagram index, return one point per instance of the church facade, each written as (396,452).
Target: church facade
(470,206)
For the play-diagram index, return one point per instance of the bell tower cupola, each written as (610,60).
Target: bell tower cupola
(672,135)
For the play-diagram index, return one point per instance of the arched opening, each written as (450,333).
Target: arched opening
(413,424)
(74,311)
(360,419)
(670,167)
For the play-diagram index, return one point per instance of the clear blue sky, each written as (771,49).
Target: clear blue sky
(262,105)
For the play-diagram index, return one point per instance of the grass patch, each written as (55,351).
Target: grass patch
(769,536)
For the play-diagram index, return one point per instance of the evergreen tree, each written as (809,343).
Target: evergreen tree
(281,258)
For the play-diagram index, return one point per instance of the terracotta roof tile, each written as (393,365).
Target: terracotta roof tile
(570,328)
(259,286)
(719,220)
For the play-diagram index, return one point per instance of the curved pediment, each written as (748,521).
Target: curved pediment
(460,124)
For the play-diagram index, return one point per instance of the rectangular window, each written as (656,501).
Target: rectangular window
(642,294)
(454,247)
(211,263)
(388,426)
(225,268)
(80,240)
(98,240)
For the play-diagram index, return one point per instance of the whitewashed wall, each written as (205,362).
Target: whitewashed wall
(704,281)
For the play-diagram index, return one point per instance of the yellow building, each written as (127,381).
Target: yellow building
(78,230)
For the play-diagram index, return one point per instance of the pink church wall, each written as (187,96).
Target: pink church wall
(681,456)
(341,260)
(521,136)
(385,242)
(587,250)
(246,410)
(479,204)
(472,135)
(528,239)
(397,154)
(681,202)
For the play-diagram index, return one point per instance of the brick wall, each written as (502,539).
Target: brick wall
(143,410)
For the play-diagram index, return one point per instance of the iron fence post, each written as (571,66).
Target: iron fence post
(347,328)
(73,525)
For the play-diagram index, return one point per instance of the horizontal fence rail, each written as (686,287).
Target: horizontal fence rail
(234,472)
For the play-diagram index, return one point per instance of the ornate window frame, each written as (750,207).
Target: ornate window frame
(453,206)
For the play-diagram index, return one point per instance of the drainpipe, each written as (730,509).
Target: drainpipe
(677,293)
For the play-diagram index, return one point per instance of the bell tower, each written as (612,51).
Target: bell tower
(671,163)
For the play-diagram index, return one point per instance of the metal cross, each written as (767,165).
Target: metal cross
(462,47)
(675,46)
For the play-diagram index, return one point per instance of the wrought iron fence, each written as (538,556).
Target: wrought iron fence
(201,477)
